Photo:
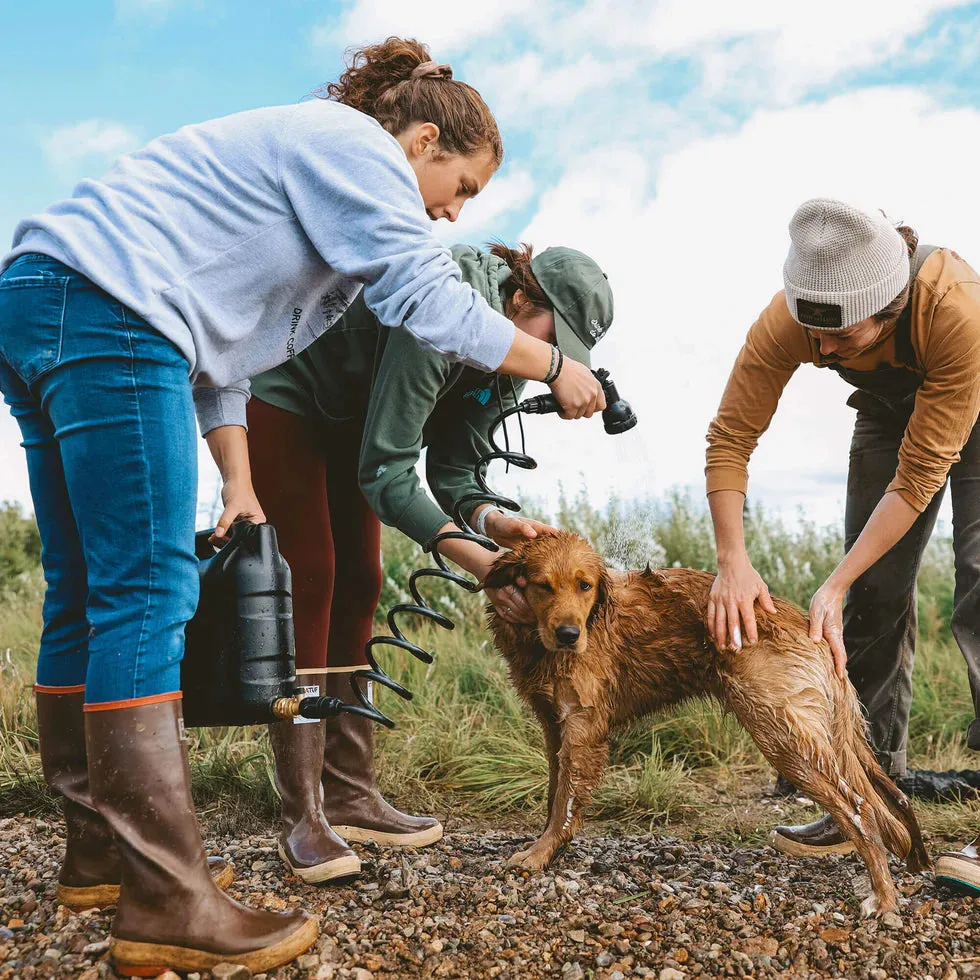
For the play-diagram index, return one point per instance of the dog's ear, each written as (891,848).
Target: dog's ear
(603,596)
(505,571)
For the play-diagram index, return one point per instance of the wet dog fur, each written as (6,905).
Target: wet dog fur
(609,647)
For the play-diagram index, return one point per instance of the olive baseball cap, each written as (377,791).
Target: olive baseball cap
(580,293)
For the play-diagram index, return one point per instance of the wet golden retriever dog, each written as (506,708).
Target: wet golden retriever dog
(609,647)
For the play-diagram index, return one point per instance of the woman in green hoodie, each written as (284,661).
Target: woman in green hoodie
(334,438)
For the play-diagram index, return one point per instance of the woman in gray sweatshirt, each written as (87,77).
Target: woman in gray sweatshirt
(210,255)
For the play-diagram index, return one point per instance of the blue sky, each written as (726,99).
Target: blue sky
(670,139)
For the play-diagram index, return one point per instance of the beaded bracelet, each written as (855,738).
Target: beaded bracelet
(557,363)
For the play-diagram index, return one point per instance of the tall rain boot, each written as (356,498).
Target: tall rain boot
(170,913)
(311,850)
(90,872)
(352,802)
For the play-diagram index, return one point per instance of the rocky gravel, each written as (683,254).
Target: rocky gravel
(611,908)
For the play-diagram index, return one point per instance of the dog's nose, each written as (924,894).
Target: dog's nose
(567,635)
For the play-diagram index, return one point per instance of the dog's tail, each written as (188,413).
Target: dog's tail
(893,814)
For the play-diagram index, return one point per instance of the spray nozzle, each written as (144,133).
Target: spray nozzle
(617,416)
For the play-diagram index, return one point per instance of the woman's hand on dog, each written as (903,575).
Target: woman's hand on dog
(731,604)
(511,604)
(508,599)
(827,621)
(509,531)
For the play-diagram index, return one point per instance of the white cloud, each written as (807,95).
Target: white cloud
(795,36)
(783,47)
(767,50)
(480,218)
(534,80)
(843,29)
(693,259)
(86,147)
(442,24)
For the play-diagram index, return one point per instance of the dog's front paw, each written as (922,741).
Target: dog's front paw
(872,907)
(533,859)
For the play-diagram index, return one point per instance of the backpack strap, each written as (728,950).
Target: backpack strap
(922,252)
(904,351)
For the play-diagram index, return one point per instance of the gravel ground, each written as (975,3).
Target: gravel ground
(611,908)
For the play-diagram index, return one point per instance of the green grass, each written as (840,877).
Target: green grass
(464,745)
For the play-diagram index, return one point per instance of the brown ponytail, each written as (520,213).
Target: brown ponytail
(894,309)
(521,277)
(381,81)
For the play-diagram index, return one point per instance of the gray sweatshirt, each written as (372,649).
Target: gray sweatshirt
(243,239)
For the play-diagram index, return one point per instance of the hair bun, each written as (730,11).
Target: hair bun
(381,79)
(432,68)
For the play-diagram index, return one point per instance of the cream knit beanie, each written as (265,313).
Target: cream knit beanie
(843,265)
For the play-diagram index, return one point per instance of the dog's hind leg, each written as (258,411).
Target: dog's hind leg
(862,829)
(811,765)
(905,839)
(815,770)
(792,723)
(581,763)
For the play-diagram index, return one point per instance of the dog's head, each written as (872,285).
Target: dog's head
(567,586)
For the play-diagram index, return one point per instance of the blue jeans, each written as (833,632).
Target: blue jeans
(104,406)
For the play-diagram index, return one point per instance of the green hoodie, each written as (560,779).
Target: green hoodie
(360,373)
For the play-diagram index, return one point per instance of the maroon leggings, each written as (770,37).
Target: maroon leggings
(306,482)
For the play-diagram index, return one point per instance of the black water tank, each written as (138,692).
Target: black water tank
(240,653)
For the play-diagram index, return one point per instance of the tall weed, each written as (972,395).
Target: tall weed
(465,735)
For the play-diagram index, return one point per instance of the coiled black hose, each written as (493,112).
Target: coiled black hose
(419,607)
(617,417)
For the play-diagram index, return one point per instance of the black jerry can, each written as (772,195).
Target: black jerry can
(240,653)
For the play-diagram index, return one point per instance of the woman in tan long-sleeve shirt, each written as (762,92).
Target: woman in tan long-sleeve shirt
(901,323)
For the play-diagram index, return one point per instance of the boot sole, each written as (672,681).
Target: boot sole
(82,898)
(420,838)
(345,867)
(133,959)
(958,874)
(795,849)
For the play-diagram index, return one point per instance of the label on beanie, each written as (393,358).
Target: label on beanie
(825,316)
(310,691)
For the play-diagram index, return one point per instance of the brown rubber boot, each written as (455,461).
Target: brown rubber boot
(815,839)
(170,914)
(90,872)
(312,851)
(351,801)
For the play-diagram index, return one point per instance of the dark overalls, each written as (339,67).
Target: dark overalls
(880,618)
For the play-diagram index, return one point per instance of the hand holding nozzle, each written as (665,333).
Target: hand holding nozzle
(617,416)
(577,392)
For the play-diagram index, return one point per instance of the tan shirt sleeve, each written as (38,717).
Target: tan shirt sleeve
(775,347)
(948,402)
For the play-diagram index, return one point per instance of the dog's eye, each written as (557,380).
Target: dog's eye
(585,586)
(544,586)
